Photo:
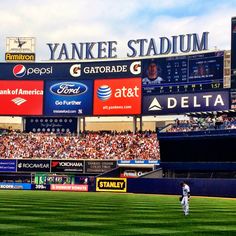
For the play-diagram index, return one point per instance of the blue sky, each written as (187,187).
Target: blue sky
(105,20)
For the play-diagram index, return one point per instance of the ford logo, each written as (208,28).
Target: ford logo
(68,88)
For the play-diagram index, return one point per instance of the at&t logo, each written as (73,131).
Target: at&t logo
(104,92)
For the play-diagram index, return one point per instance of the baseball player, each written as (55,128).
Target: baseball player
(184,199)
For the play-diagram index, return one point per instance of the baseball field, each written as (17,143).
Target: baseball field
(70,213)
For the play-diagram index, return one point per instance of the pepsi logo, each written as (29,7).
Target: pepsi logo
(104,92)
(19,70)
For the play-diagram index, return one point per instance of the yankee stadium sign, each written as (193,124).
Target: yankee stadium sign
(136,47)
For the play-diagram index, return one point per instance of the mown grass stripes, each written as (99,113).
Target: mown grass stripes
(89,214)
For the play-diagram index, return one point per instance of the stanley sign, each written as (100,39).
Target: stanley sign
(111,185)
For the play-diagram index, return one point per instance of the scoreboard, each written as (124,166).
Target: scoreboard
(155,86)
(184,74)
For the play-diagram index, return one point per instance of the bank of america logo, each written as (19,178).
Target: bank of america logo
(18,101)
(155,106)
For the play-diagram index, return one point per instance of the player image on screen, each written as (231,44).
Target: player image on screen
(208,68)
(153,74)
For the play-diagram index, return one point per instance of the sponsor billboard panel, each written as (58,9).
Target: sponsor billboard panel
(40,187)
(99,166)
(90,71)
(113,69)
(51,124)
(19,57)
(67,166)
(133,172)
(138,162)
(7,165)
(111,184)
(233,63)
(233,47)
(182,103)
(70,98)
(33,165)
(21,97)
(117,97)
(69,187)
(15,186)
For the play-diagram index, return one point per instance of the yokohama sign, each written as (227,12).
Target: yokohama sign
(67,166)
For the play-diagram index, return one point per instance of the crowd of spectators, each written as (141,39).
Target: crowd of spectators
(101,145)
(89,145)
(203,123)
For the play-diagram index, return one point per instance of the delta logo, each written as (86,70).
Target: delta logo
(117,97)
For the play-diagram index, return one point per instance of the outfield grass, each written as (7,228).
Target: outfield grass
(86,214)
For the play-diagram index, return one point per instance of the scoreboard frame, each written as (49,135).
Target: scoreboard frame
(178,77)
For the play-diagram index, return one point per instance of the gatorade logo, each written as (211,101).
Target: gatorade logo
(135,67)
(75,70)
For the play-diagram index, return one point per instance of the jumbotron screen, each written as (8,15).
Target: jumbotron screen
(191,73)
(154,86)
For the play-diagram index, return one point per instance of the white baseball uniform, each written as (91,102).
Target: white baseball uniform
(185,199)
(157,80)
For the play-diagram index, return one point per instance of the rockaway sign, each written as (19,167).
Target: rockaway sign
(135,47)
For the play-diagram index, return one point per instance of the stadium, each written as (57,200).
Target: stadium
(100,147)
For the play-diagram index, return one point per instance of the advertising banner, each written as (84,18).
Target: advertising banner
(134,172)
(102,69)
(33,165)
(21,97)
(138,162)
(15,186)
(111,184)
(69,187)
(68,98)
(117,97)
(19,57)
(7,165)
(51,124)
(67,166)
(40,187)
(99,166)
(233,63)
(182,103)
(233,49)
(91,70)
